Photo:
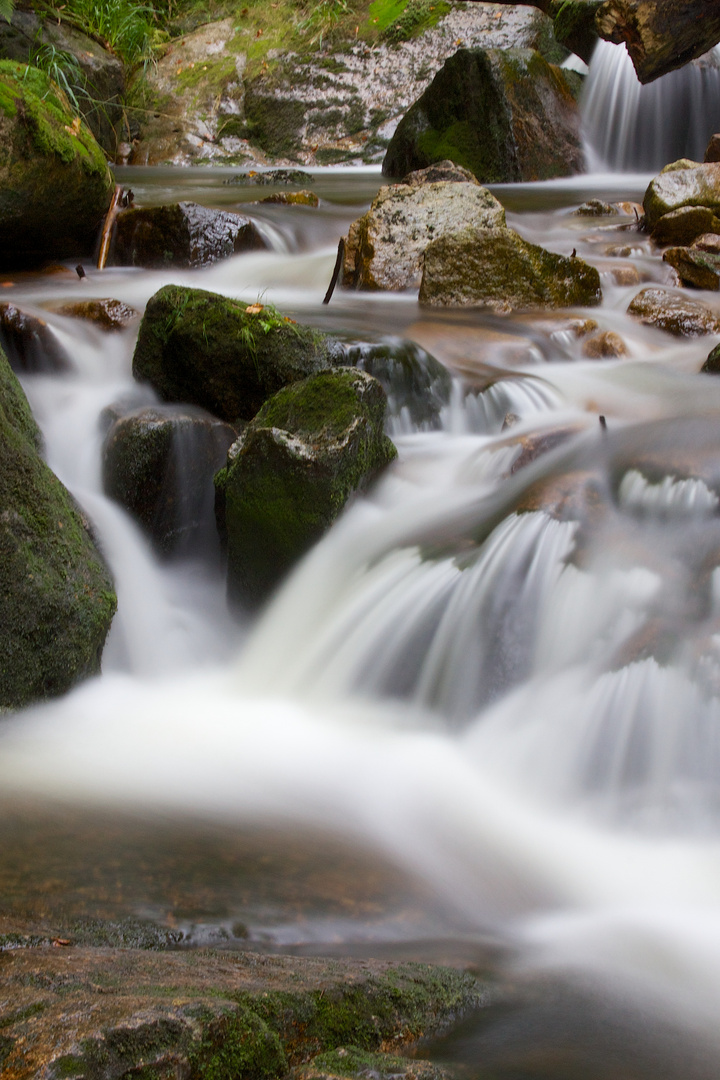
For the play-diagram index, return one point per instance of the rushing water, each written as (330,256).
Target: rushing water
(457,724)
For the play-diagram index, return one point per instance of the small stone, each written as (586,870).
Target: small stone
(626,275)
(709,242)
(604,346)
(674,313)
(442,171)
(292,198)
(713,149)
(107,313)
(712,364)
(595,208)
(272,176)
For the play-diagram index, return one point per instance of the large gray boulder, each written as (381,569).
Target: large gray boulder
(293,470)
(496,268)
(159,464)
(228,357)
(56,594)
(681,184)
(384,249)
(674,313)
(181,234)
(504,114)
(55,184)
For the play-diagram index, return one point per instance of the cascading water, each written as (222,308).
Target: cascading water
(633,128)
(498,674)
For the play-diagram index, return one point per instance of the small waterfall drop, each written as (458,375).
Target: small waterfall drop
(632,127)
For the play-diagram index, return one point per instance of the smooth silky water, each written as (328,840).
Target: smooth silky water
(460,730)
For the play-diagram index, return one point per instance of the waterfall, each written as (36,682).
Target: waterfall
(631,127)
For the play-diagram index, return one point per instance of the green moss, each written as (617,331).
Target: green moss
(574,25)
(6,1047)
(272,123)
(231,127)
(238,1044)
(414,18)
(210,74)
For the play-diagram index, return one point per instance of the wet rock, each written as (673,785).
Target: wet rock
(674,313)
(684,183)
(271,176)
(538,443)
(180,234)
(226,356)
(503,114)
(101,88)
(596,208)
(498,269)
(712,153)
(695,267)
(624,275)
(709,242)
(604,346)
(29,343)
(350,1062)
(292,198)
(159,464)
(106,313)
(292,471)
(55,182)
(57,598)
(125,1012)
(415,383)
(574,26)
(659,36)
(384,248)
(442,171)
(712,364)
(682,227)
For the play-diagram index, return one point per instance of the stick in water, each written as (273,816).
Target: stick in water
(336,271)
(107,227)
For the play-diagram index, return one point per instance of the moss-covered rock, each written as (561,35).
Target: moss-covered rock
(498,269)
(56,595)
(293,470)
(674,313)
(683,226)
(712,364)
(55,184)
(700,269)
(683,183)
(350,1062)
(292,198)
(384,248)
(228,357)
(180,234)
(504,114)
(159,464)
(574,25)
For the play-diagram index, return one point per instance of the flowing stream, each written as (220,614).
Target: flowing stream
(459,730)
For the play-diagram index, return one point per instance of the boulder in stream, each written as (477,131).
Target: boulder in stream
(700,269)
(29,343)
(293,470)
(159,464)
(417,385)
(180,234)
(674,313)
(55,184)
(57,598)
(384,248)
(683,226)
(496,268)
(682,183)
(504,114)
(228,357)
(106,313)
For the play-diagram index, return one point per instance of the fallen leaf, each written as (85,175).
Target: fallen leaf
(253,309)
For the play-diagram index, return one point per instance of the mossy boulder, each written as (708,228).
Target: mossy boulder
(384,248)
(496,268)
(56,594)
(683,226)
(700,269)
(159,464)
(180,234)
(683,183)
(29,343)
(55,184)
(349,1063)
(574,26)
(293,470)
(200,348)
(674,313)
(504,114)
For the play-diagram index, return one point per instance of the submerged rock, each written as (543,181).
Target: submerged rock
(57,598)
(695,267)
(226,356)
(415,383)
(683,183)
(271,176)
(504,114)
(292,198)
(674,313)
(159,464)
(180,234)
(55,184)
(106,313)
(292,471)
(604,346)
(684,225)
(384,248)
(712,364)
(29,343)
(498,269)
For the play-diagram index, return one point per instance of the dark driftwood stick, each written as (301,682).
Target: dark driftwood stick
(336,271)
